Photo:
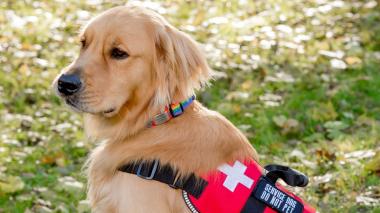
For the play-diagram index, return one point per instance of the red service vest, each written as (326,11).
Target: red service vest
(242,188)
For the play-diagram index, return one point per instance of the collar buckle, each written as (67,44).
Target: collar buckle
(176,109)
(171,111)
(151,173)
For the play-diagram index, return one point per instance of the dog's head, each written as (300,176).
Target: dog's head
(130,55)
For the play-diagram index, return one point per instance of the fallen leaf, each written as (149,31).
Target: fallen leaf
(325,154)
(271,100)
(361,154)
(338,64)
(41,209)
(10,184)
(69,184)
(83,206)
(287,125)
(322,179)
(279,120)
(353,60)
(374,164)
(297,154)
(337,54)
(237,95)
(368,201)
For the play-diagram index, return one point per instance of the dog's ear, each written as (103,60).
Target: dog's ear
(181,65)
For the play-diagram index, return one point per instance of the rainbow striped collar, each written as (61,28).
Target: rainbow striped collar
(171,111)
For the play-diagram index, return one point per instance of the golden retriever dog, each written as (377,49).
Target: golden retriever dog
(132,64)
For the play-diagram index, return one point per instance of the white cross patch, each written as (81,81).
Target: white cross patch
(235,175)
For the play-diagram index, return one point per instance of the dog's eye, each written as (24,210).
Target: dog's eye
(83,43)
(117,53)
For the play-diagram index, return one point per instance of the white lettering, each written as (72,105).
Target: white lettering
(263,195)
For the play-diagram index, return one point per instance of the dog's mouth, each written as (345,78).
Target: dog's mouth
(77,106)
(73,104)
(109,112)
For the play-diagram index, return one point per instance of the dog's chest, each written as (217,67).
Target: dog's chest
(129,193)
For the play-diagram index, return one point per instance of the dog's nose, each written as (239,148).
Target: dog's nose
(69,84)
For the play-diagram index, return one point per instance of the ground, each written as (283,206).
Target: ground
(300,78)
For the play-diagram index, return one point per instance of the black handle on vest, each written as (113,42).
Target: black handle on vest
(291,176)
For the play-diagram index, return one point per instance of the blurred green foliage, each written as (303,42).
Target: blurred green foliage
(300,78)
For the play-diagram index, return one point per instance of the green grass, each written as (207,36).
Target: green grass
(322,120)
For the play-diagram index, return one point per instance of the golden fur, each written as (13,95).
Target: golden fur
(164,65)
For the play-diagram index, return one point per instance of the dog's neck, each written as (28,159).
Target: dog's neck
(176,142)
(130,120)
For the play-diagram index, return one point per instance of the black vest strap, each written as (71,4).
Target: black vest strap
(153,170)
